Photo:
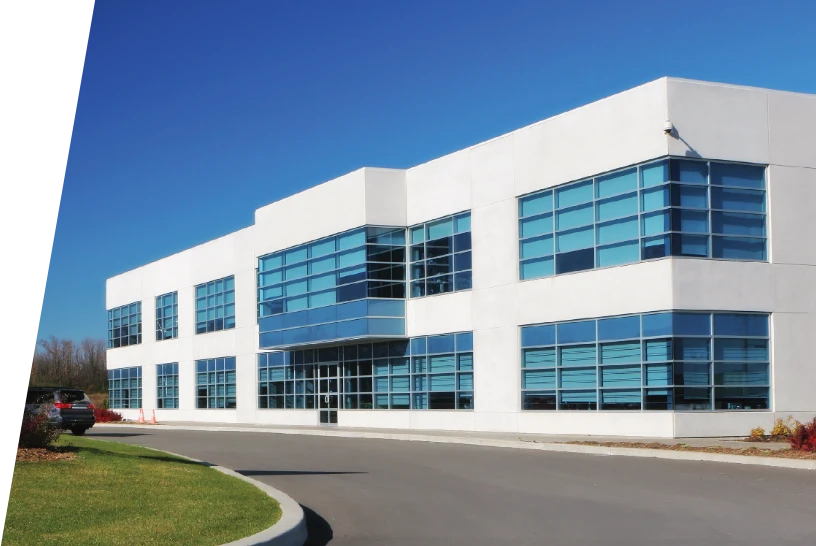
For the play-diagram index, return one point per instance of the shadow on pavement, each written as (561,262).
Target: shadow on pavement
(320,532)
(291,472)
(116,434)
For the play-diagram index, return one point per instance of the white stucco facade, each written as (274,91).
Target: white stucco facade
(712,121)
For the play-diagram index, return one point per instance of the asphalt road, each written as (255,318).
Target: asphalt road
(362,492)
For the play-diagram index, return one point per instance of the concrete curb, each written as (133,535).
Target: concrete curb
(289,530)
(798,464)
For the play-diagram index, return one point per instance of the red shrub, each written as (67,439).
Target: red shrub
(104,415)
(37,429)
(803,437)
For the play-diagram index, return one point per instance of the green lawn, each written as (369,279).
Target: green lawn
(116,494)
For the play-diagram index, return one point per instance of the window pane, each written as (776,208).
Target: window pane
(730,223)
(741,373)
(538,225)
(620,376)
(538,358)
(613,184)
(579,355)
(538,379)
(740,349)
(539,401)
(654,174)
(540,267)
(576,332)
(573,194)
(695,197)
(738,248)
(619,328)
(536,204)
(622,253)
(579,216)
(617,207)
(582,238)
(695,172)
(741,398)
(727,174)
(578,379)
(618,353)
(740,324)
(617,231)
(441,228)
(540,246)
(620,400)
(738,199)
(538,335)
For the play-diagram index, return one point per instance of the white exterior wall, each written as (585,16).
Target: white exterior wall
(712,121)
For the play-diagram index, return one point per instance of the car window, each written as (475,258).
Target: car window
(72,396)
(39,396)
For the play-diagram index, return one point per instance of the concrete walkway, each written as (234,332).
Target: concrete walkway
(446,436)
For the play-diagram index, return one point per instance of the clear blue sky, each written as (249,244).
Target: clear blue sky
(192,114)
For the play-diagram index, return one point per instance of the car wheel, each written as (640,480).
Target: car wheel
(78,431)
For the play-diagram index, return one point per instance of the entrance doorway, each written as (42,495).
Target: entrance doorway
(328,393)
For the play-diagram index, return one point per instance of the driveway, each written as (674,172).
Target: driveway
(364,491)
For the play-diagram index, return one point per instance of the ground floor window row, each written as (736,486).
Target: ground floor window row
(125,388)
(434,372)
(656,361)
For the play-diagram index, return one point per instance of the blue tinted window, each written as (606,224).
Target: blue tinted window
(125,387)
(125,325)
(672,198)
(657,324)
(731,174)
(692,324)
(442,261)
(441,344)
(654,174)
(619,328)
(621,253)
(532,336)
(573,194)
(536,204)
(617,183)
(167,316)
(740,324)
(576,332)
(689,171)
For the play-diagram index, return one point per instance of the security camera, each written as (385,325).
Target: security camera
(668,127)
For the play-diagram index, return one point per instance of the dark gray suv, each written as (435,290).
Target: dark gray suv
(72,408)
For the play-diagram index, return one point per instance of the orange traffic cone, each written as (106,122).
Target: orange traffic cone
(141,415)
(153,419)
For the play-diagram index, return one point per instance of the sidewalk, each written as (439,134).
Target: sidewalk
(538,442)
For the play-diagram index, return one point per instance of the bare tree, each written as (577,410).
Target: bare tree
(62,362)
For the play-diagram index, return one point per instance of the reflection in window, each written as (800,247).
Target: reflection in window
(671,207)
(215,305)
(125,388)
(423,373)
(441,259)
(656,361)
(167,316)
(167,386)
(216,383)
(125,325)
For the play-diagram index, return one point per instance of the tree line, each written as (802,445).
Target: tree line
(64,363)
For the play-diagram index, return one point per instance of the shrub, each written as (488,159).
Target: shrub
(803,437)
(784,429)
(37,429)
(757,434)
(104,415)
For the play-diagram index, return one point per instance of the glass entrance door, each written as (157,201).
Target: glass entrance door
(328,393)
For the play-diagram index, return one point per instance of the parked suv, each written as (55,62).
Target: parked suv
(72,408)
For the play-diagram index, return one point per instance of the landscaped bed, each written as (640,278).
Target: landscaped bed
(85,492)
(749,451)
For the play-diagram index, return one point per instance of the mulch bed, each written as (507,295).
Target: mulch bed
(748,451)
(41,455)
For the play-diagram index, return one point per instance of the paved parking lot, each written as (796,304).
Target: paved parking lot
(366,491)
